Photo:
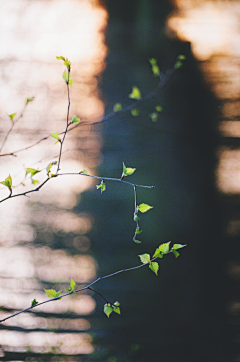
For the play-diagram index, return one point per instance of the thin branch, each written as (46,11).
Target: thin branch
(78,290)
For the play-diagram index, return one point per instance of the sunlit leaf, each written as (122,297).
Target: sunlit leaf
(7,182)
(51,293)
(164,248)
(175,253)
(67,63)
(136,94)
(58,293)
(155,67)
(60,57)
(138,230)
(107,309)
(29,100)
(178,246)
(158,108)
(145,258)
(136,217)
(101,186)
(144,207)
(11,116)
(117,310)
(35,182)
(75,120)
(32,171)
(117,107)
(154,267)
(127,171)
(67,77)
(137,241)
(84,172)
(72,284)
(55,135)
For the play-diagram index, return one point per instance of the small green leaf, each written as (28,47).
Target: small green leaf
(107,309)
(35,182)
(144,207)
(154,267)
(145,258)
(153,61)
(117,107)
(55,135)
(178,246)
(155,67)
(7,182)
(68,64)
(60,57)
(75,120)
(84,172)
(51,293)
(34,302)
(136,94)
(136,217)
(138,230)
(117,310)
(67,77)
(117,304)
(175,253)
(32,171)
(136,241)
(101,186)
(154,116)
(164,248)
(159,108)
(127,171)
(158,254)
(72,284)
(181,57)
(58,293)
(49,167)
(29,100)
(135,112)
(11,116)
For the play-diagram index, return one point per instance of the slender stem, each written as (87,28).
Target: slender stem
(78,290)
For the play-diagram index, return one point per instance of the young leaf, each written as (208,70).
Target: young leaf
(29,100)
(60,57)
(145,258)
(49,167)
(175,253)
(101,186)
(51,293)
(68,64)
(178,246)
(154,116)
(107,309)
(158,254)
(136,217)
(155,67)
(58,293)
(55,135)
(66,76)
(84,172)
(135,112)
(116,308)
(34,302)
(136,241)
(75,120)
(35,182)
(136,94)
(127,171)
(11,116)
(7,182)
(164,248)
(159,108)
(144,207)
(32,171)
(138,230)
(72,284)
(117,107)
(154,267)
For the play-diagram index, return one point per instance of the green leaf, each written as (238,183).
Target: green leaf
(67,77)
(29,100)
(181,57)
(175,253)
(144,207)
(138,230)
(127,171)
(55,135)
(101,186)
(158,108)
(116,308)
(155,67)
(34,303)
(135,112)
(145,258)
(136,217)
(58,293)
(154,116)
(75,120)
(51,293)
(158,254)
(60,57)
(68,64)
(136,94)
(178,246)
(154,267)
(35,182)
(137,241)
(11,116)
(153,61)
(107,309)
(72,284)
(32,171)
(7,182)
(117,107)
(84,172)
(49,167)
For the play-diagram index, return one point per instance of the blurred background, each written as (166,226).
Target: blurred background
(191,311)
